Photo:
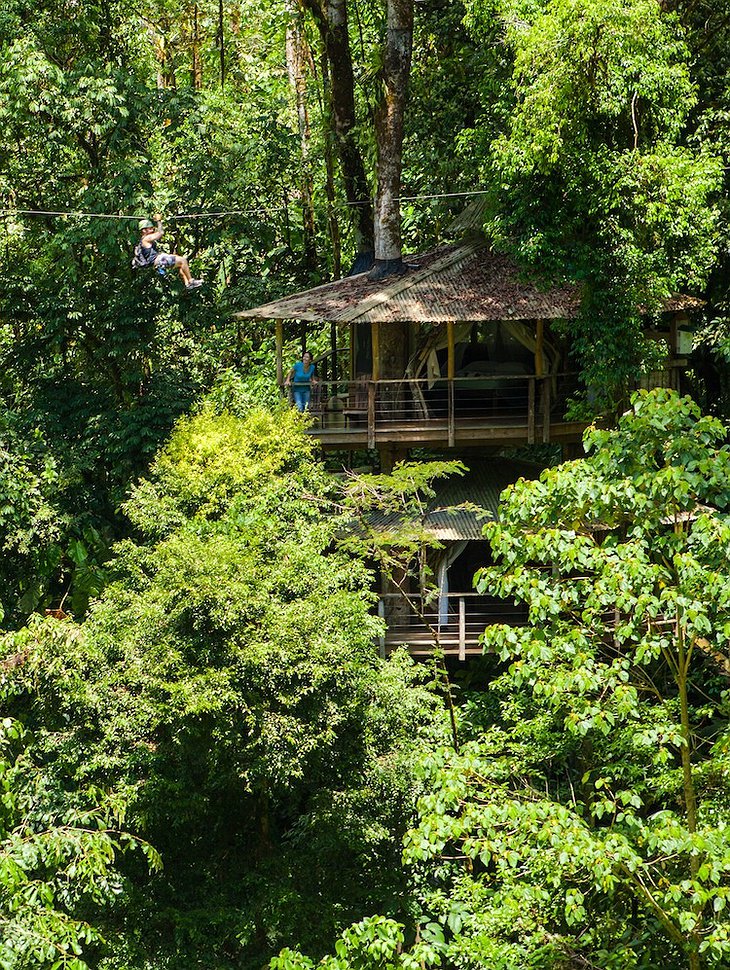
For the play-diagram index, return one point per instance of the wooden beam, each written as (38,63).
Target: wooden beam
(279,352)
(493,436)
(451,371)
(335,375)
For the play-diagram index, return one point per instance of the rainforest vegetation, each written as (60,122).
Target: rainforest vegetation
(204,759)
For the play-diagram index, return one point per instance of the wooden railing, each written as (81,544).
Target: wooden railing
(453,623)
(369,410)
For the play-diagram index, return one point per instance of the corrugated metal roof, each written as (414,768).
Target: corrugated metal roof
(467,282)
(463,504)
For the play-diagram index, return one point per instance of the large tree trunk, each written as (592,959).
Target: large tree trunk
(296,61)
(389,134)
(329,162)
(331,19)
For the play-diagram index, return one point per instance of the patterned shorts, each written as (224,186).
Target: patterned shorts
(165,261)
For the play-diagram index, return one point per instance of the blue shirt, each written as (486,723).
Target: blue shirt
(302,376)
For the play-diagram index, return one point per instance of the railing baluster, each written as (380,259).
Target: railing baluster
(462,628)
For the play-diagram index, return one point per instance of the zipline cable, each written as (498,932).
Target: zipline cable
(227,212)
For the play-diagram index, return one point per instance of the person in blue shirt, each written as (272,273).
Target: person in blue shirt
(300,378)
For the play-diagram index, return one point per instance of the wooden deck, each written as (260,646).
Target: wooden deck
(439,435)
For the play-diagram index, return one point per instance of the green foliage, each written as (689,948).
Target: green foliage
(597,799)
(227,680)
(388,512)
(594,176)
(375,943)
(57,863)
(30,526)
(445,60)
(100,117)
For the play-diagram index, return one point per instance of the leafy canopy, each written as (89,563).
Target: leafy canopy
(598,797)
(594,175)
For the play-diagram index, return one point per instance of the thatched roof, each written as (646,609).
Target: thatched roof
(468,282)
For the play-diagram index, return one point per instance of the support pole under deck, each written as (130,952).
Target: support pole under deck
(372,386)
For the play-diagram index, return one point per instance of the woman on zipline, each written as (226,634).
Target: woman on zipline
(147,254)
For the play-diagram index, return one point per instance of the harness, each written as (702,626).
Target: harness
(144,256)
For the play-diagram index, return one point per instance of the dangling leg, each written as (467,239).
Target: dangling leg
(183,268)
(182,264)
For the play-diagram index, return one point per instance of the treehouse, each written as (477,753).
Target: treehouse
(458,352)
(462,354)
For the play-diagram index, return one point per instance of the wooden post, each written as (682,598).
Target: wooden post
(673,335)
(375,344)
(375,339)
(451,371)
(279,353)
(381,614)
(462,628)
(531,411)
